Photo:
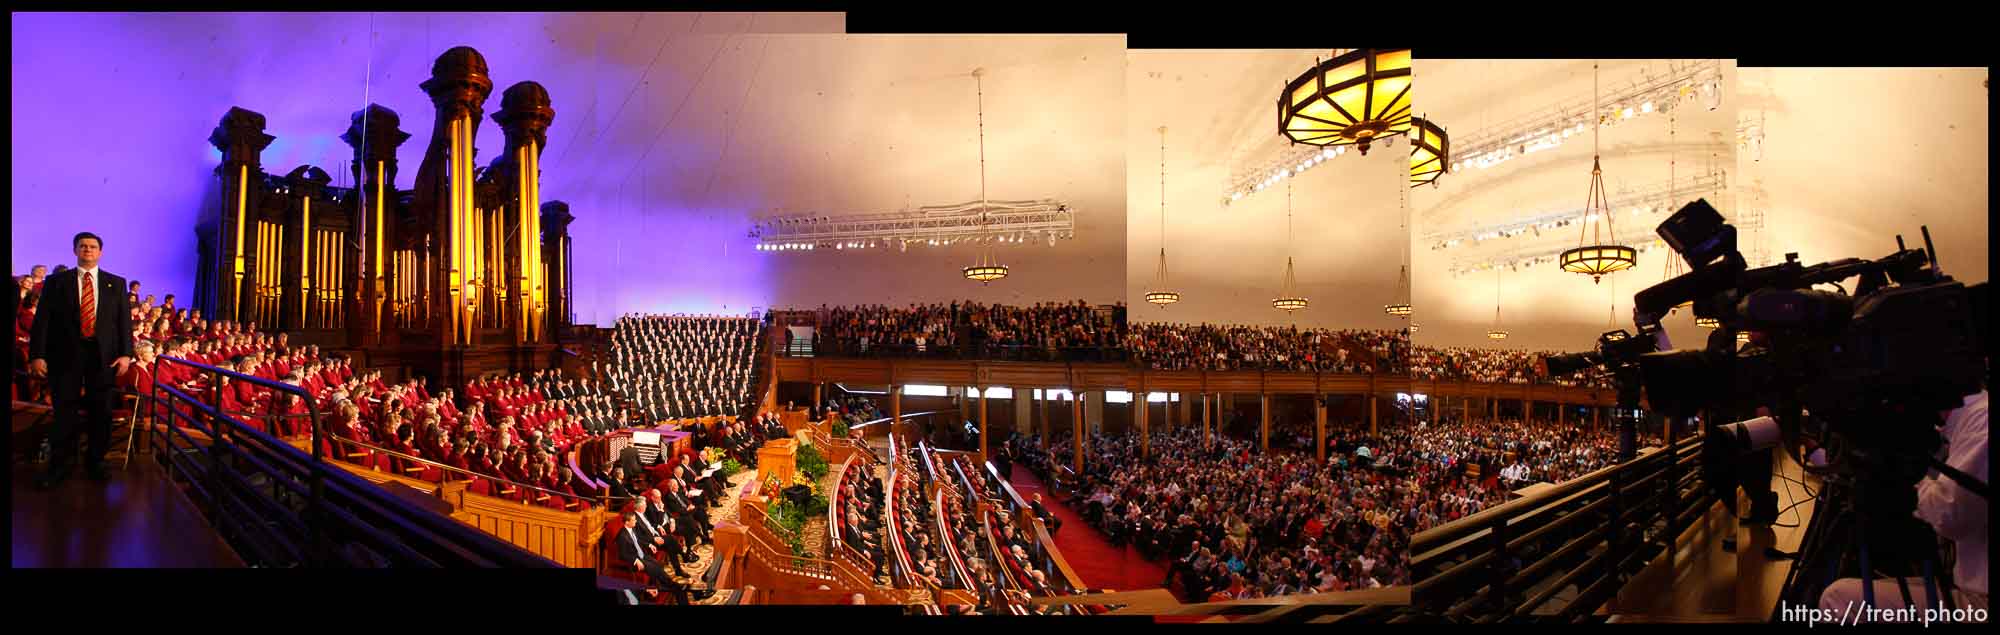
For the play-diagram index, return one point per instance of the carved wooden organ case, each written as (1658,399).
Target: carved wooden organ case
(468,257)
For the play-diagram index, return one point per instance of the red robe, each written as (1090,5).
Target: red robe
(138,378)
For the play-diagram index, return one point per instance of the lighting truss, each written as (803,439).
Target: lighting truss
(1653,197)
(1292,160)
(1548,127)
(1044,220)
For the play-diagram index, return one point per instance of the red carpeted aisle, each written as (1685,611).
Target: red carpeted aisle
(1101,565)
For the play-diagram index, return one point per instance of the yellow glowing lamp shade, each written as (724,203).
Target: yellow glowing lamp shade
(1430,152)
(1707,322)
(1743,337)
(1398,310)
(985,273)
(1163,298)
(1597,260)
(1496,335)
(1354,99)
(1289,304)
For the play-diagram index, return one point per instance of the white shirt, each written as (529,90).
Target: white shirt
(1958,514)
(95,277)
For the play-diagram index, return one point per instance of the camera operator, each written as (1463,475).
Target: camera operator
(1957,514)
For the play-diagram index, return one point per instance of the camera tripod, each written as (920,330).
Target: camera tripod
(1845,512)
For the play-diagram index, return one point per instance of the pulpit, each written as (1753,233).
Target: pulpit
(777,459)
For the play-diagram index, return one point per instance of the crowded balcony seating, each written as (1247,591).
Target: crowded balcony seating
(1493,366)
(1160,346)
(1060,331)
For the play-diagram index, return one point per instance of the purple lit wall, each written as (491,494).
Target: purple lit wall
(111,114)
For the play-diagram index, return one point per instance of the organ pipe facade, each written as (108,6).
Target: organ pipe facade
(465,260)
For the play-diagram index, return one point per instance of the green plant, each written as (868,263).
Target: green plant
(810,462)
(730,467)
(840,429)
(788,522)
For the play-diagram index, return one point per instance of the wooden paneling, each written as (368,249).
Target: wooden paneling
(1244,382)
(1098,376)
(1025,375)
(935,372)
(1170,381)
(1290,383)
(569,538)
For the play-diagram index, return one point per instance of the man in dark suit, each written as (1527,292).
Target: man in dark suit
(81,341)
(1054,524)
(628,458)
(632,547)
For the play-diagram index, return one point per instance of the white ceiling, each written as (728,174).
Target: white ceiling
(1227,262)
(1541,306)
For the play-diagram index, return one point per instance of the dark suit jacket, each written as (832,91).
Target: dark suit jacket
(59,322)
(629,459)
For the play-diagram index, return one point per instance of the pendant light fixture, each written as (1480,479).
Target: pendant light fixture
(987,269)
(1355,98)
(1708,322)
(1401,307)
(1495,333)
(1161,295)
(1604,257)
(1288,299)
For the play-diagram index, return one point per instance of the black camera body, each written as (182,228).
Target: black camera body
(1908,343)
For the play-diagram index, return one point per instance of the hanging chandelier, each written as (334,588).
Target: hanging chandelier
(987,269)
(1354,98)
(1495,333)
(1430,152)
(1707,322)
(1743,337)
(1160,295)
(1288,299)
(1604,257)
(1401,307)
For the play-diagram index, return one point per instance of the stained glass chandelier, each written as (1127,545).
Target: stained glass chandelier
(1354,98)
(1430,152)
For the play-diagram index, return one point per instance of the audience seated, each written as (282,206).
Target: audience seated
(1213,347)
(1068,330)
(1494,366)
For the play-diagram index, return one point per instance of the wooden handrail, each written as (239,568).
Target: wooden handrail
(1460,564)
(949,545)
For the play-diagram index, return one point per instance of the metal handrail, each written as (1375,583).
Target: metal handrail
(338,507)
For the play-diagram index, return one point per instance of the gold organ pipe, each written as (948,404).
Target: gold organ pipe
(242,216)
(534,208)
(305,258)
(336,316)
(526,279)
(379,227)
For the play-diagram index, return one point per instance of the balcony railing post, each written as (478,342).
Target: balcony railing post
(1501,567)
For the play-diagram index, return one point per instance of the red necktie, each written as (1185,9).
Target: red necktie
(89,306)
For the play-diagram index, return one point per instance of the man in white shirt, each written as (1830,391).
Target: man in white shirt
(1956,513)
